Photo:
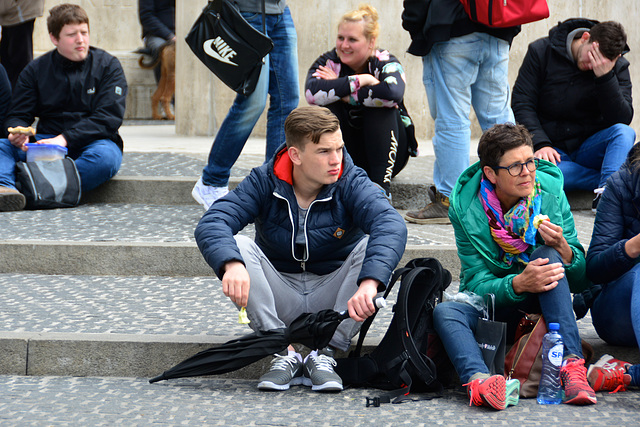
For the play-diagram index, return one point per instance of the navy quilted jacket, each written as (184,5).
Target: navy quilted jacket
(617,220)
(336,221)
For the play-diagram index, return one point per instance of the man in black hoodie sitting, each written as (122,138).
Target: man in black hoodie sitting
(573,94)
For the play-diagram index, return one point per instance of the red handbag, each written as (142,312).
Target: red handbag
(505,13)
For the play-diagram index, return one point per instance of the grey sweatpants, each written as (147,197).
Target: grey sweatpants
(276,299)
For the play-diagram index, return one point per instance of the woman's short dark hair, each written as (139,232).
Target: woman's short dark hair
(64,14)
(500,139)
(309,122)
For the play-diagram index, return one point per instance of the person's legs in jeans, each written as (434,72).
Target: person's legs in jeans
(9,155)
(97,163)
(246,110)
(490,94)
(557,307)
(597,158)
(471,68)
(455,324)
(466,69)
(449,70)
(616,311)
(576,176)
(283,80)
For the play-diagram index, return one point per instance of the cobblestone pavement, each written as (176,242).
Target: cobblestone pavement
(59,401)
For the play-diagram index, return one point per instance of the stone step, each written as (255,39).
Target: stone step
(168,178)
(141,239)
(139,326)
(81,325)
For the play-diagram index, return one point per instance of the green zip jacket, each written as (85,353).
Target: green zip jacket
(483,270)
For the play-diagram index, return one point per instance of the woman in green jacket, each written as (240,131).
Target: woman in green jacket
(504,250)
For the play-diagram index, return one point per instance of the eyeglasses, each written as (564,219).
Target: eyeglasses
(516,168)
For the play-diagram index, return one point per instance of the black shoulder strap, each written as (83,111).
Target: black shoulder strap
(425,367)
(367,323)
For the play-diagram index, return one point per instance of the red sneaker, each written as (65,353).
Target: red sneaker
(490,391)
(609,374)
(573,376)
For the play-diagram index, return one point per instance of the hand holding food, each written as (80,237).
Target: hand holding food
(537,220)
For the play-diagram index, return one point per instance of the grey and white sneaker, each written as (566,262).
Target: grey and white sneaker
(319,373)
(285,371)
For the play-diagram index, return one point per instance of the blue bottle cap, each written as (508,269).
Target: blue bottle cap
(554,326)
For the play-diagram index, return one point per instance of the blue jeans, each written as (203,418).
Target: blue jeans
(464,71)
(279,78)
(598,157)
(616,311)
(97,162)
(456,322)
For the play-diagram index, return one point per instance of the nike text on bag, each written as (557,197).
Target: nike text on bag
(49,184)
(229,46)
(410,356)
(505,13)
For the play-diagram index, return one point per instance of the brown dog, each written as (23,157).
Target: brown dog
(167,84)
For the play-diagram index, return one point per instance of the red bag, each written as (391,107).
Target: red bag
(505,13)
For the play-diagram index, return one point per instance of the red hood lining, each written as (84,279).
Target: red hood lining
(283,167)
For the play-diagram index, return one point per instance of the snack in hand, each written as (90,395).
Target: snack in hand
(537,220)
(242,316)
(21,130)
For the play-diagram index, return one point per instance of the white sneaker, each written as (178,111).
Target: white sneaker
(207,194)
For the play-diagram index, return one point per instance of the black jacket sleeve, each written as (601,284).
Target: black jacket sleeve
(614,94)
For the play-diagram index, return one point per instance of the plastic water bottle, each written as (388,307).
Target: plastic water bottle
(550,390)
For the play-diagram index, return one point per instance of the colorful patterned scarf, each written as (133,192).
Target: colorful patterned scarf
(513,231)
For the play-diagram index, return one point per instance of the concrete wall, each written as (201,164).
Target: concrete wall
(202,101)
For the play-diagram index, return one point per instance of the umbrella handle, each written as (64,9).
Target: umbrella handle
(379,302)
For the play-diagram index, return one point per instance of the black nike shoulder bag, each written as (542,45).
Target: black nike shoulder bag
(229,46)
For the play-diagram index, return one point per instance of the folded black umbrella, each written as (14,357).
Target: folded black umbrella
(313,330)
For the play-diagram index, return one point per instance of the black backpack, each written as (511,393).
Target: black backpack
(408,355)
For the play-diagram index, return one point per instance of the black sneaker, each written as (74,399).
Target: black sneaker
(319,373)
(598,195)
(285,371)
